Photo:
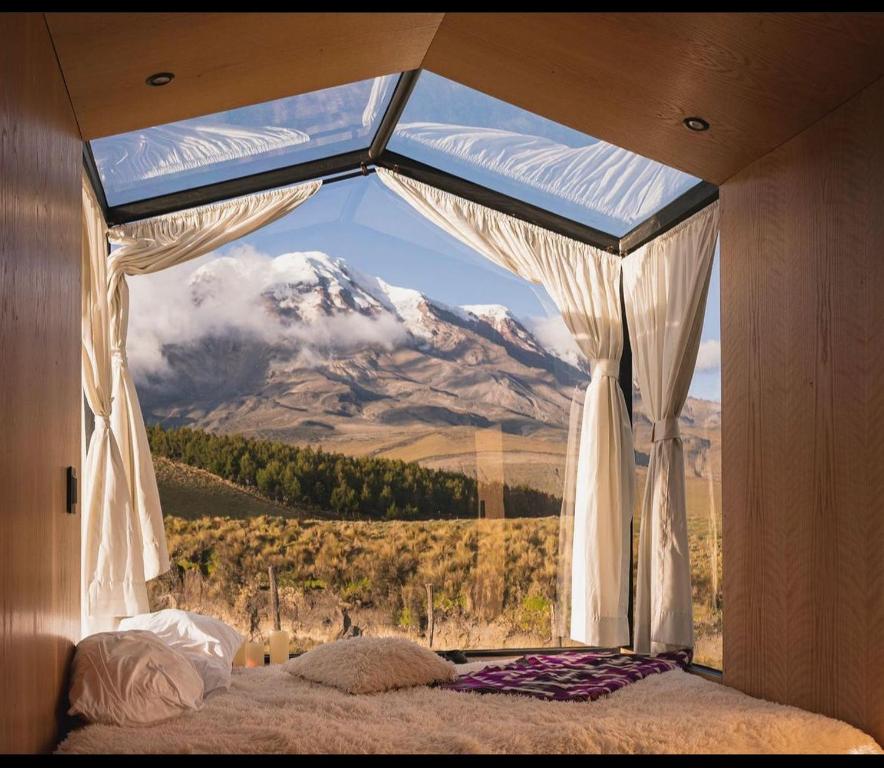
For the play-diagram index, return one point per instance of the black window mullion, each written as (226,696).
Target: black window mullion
(625,379)
(398,102)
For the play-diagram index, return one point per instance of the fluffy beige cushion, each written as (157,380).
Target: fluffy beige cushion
(371,664)
(131,678)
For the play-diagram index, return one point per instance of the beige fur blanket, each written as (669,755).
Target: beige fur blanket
(267,710)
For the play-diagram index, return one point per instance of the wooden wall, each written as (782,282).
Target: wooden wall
(802,309)
(40,171)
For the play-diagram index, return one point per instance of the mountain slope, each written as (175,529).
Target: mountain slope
(192,493)
(351,351)
(334,357)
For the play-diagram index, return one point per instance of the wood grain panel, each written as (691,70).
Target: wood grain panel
(802,278)
(630,78)
(222,60)
(40,390)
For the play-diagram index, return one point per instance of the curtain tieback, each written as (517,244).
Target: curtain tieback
(610,368)
(665,429)
(119,354)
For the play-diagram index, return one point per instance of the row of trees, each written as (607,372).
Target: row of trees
(354,488)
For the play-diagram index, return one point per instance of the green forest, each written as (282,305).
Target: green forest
(364,488)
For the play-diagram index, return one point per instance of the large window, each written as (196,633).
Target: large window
(355,398)
(361,402)
(700,426)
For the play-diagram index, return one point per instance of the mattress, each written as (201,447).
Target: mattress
(267,710)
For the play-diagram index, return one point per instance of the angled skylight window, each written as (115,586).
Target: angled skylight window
(225,145)
(520,154)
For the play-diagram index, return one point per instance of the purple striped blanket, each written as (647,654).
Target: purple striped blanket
(569,675)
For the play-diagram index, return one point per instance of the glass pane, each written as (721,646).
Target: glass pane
(700,426)
(409,406)
(226,145)
(518,153)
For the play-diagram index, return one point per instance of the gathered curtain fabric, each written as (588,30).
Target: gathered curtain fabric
(112,568)
(125,544)
(665,285)
(583,282)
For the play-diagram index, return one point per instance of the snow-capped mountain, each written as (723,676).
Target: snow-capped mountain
(306,349)
(307,290)
(341,353)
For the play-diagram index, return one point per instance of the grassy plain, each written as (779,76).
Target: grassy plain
(493,581)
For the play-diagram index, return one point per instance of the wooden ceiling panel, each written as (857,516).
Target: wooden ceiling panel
(628,78)
(631,78)
(222,60)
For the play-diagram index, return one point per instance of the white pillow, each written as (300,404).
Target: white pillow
(208,643)
(131,678)
(369,664)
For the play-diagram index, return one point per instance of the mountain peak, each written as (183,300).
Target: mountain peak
(412,307)
(407,297)
(309,269)
(493,312)
(305,266)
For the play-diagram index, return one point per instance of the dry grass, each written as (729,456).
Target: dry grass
(494,580)
(535,460)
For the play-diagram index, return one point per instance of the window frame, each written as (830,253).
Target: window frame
(364,162)
(375,155)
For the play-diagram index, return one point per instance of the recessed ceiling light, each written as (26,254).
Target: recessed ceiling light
(696,123)
(160,78)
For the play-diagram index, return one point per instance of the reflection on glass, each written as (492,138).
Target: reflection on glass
(239,142)
(498,145)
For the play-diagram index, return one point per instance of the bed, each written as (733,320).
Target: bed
(267,710)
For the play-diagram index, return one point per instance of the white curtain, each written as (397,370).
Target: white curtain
(562,623)
(124,544)
(112,569)
(665,285)
(584,284)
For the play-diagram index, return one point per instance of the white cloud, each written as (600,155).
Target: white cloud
(555,337)
(709,355)
(215,295)
(344,333)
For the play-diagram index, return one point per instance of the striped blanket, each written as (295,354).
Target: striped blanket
(569,675)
